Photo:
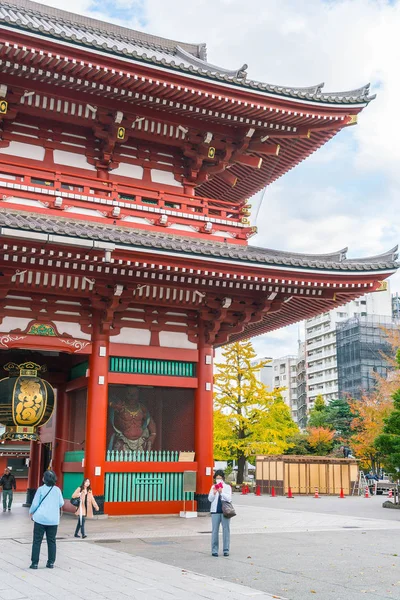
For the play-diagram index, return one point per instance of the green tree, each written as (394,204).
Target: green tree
(336,416)
(388,442)
(339,418)
(298,444)
(317,417)
(248,418)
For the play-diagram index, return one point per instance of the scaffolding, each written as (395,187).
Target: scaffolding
(361,343)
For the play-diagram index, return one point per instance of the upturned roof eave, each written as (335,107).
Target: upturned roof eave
(194,54)
(194,248)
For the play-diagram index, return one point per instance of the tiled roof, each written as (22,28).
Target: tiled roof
(190,58)
(136,239)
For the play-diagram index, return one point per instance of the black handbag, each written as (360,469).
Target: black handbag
(227,509)
(75,502)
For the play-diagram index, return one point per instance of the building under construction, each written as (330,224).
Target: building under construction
(361,346)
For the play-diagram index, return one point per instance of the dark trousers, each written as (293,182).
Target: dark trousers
(80,526)
(38,533)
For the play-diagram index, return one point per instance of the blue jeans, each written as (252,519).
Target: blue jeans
(216,520)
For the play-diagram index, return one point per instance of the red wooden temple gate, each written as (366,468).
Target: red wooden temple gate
(126,162)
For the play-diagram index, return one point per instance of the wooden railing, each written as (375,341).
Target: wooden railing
(114,193)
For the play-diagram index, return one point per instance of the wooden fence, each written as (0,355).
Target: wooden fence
(305,473)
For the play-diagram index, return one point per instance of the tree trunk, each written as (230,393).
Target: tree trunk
(241,463)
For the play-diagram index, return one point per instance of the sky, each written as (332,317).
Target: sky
(347,194)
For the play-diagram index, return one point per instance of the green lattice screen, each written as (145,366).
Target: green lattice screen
(149,366)
(141,366)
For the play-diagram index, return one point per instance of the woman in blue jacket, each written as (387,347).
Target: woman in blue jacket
(45,512)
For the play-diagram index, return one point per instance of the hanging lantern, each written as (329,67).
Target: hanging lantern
(26,401)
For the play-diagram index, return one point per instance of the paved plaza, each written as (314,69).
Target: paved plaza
(303,548)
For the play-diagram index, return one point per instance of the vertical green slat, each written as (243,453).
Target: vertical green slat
(141,492)
(124,498)
(134,489)
(158,491)
(112,488)
(162,494)
(176,484)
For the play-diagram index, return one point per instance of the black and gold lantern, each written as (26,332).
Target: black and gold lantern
(26,401)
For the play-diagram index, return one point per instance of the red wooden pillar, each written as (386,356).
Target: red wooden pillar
(97,411)
(62,433)
(33,473)
(203,424)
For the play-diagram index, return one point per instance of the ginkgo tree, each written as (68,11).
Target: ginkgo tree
(249,418)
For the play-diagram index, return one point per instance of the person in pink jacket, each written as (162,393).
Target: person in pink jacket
(86,505)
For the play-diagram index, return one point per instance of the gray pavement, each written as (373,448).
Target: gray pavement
(295,549)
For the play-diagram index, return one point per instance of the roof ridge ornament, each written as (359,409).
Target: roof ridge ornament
(204,65)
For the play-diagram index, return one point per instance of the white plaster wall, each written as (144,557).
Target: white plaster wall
(182,227)
(127,170)
(25,202)
(136,220)
(73,329)
(166,177)
(176,339)
(224,234)
(130,335)
(10,323)
(24,150)
(72,159)
(85,211)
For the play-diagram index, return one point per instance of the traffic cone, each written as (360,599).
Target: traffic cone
(341,493)
(390,494)
(243,490)
(258,490)
(316,495)
(366,493)
(273,492)
(290,495)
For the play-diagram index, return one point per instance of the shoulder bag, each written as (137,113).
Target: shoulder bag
(76,501)
(227,509)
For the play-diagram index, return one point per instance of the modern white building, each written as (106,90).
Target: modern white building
(285,376)
(281,373)
(265,375)
(320,342)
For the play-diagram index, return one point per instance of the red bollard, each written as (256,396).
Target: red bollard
(273,492)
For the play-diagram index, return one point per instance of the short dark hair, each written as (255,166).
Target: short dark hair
(49,478)
(219,473)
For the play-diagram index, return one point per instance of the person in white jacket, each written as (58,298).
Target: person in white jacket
(220,492)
